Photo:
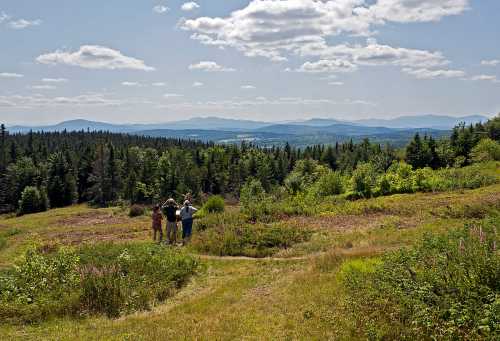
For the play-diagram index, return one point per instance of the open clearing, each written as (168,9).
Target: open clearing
(293,295)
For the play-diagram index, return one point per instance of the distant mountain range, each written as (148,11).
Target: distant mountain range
(300,133)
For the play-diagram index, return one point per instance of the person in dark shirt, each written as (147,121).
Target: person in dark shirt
(170,210)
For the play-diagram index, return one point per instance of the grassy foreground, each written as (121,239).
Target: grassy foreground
(295,294)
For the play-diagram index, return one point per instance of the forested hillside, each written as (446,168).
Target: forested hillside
(42,170)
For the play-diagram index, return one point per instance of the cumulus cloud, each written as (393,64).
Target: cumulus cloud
(159,84)
(23,23)
(197,84)
(328,66)
(94,57)
(433,74)
(160,9)
(493,62)
(10,75)
(248,87)
(189,6)
(272,29)
(210,66)
(54,80)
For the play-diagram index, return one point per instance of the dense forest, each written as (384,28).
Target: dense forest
(42,170)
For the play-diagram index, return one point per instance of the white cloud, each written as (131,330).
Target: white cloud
(433,74)
(10,75)
(248,87)
(38,100)
(490,78)
(328,66)
(4,17)
(172,95)
(23,23)
(493,62)
(209,66)
(132,84)
(42,87)
(197,84)
(336,83)
(189,6)
(160,9)
(159,84)
(273,29)
(94,57)
(54,80)
(416,10)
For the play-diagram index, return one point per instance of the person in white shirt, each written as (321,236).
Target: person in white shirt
(186,214)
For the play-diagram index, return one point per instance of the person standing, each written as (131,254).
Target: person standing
(157,218)
(186,214)
(170,210)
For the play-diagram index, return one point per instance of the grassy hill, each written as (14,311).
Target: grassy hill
(299,291)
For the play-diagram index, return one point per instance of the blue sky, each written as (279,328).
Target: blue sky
(157,61)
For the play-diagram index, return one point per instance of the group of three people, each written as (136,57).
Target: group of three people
(173,213)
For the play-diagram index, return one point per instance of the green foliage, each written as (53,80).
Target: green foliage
(136,211)
(214,204)
(447,287)
(331,183)
(304,174)
(363,180)
(229,236)
(101,279)
(486,150)
(32,201)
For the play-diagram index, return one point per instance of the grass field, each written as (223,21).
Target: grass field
(294,294)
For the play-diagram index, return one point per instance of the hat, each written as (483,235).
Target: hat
(187,203)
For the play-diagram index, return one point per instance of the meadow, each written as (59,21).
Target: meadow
(371,268)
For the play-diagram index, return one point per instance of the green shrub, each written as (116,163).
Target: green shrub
(32,201)
(104,279)
(363,180)
(331,183)
(486,150)
(447,287)
(253,240)
(214,204)
(136,211)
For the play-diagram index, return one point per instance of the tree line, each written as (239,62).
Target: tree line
(55,169)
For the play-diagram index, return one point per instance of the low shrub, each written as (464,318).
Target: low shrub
(257,240)
(104,279)
(214,204)
(447,287)
(32,200)
(136,211)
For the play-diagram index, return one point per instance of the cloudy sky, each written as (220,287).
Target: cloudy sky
(157,61)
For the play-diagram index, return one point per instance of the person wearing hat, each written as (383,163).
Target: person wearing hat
(186,214)
(170,210)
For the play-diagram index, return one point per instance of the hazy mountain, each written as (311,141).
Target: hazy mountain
(423,121)
(302,127)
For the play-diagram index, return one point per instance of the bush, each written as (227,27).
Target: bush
(99,279)
(331,183)
(486,150)
(32,201)
(247,239)
(136,211)
(447,287)
(214,204)
(363,180)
